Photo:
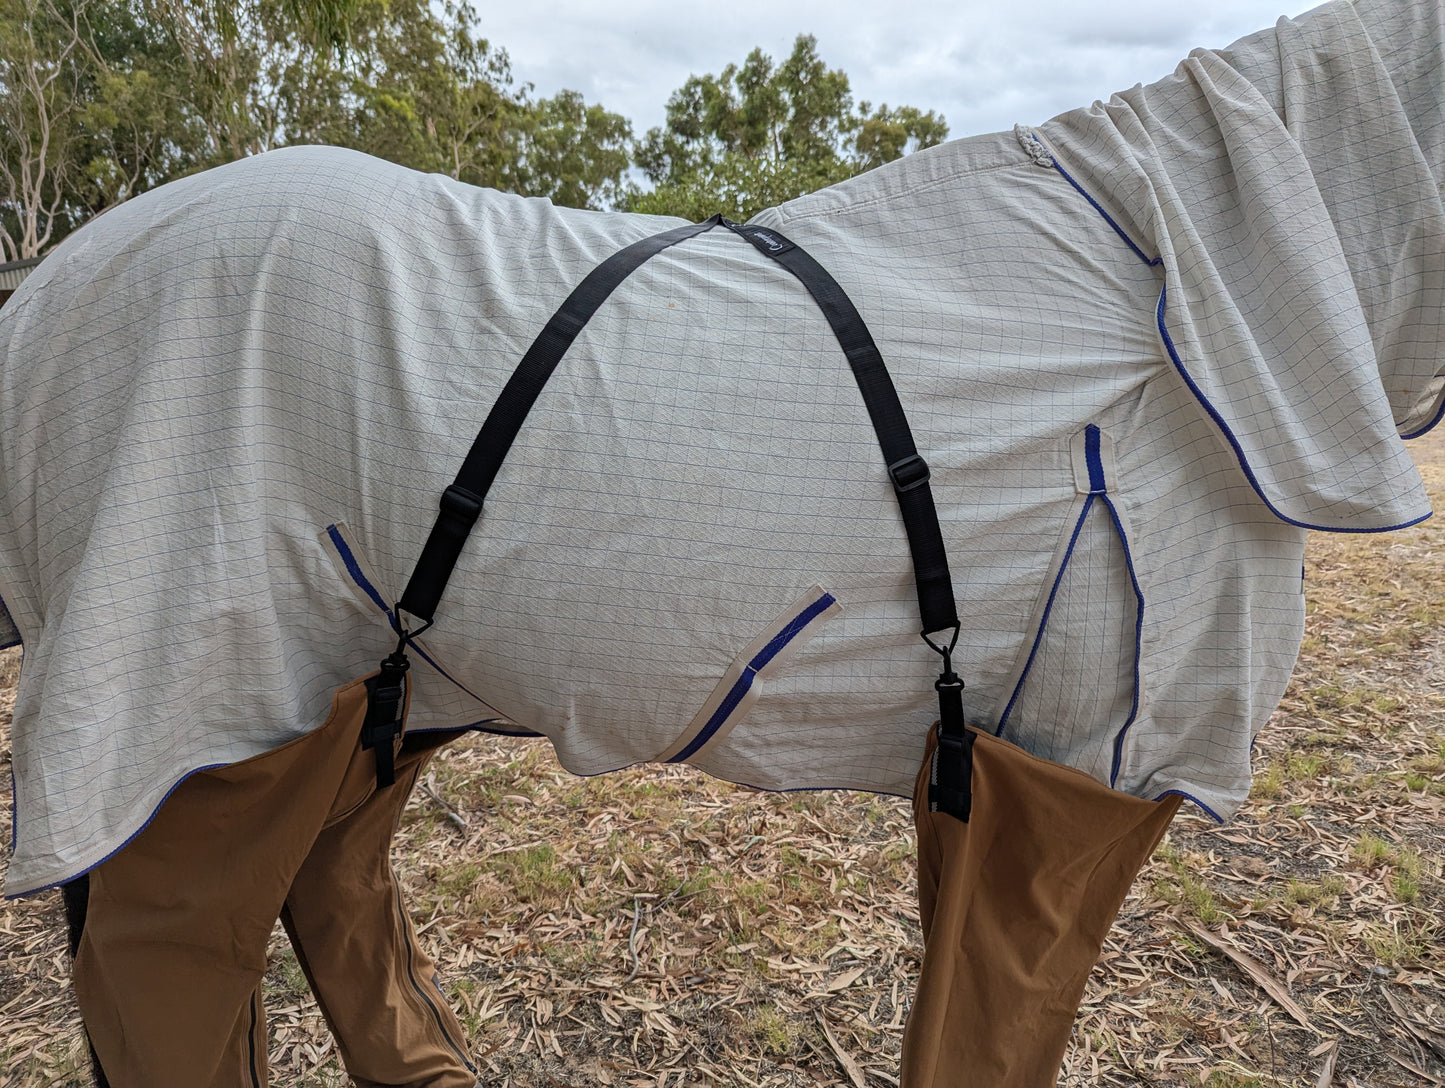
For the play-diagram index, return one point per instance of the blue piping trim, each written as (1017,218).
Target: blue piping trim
(486,725)
(1094,460)
(15,827)
(1150,261)
(1097,489)
(175,786)
(1429,426)
(888,793)
(8,645)
(14,811)
(1191,798)
(1138,640)
(820,789)
(354,569)
(745,681)
(1234,441)
(1044,622)
(1199,394)
(745,785)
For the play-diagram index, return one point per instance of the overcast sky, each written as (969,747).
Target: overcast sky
(984,64)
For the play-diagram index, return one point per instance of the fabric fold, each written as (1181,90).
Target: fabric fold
(1300,226)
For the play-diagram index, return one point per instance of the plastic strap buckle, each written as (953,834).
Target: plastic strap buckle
(909,473)
(460,504)
(385,699)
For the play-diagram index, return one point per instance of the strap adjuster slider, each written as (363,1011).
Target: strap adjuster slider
(459,503)
(909,473)
(951,743)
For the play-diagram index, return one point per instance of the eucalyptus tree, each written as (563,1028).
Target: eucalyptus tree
(102,99)
(47,76)
(759,134)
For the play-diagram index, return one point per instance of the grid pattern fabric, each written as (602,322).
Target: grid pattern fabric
(1235,274)
(1078,693)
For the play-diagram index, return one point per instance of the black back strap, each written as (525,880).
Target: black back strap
(461,503)
(906,469)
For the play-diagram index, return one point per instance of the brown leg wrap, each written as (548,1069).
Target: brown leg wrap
(1015,906)
(75,896)
(356,943)
(170,961)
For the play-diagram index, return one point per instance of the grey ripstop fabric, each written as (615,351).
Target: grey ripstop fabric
(1141,346)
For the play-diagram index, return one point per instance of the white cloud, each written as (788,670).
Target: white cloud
(982,64)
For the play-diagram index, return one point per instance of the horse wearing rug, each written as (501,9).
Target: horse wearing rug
(1142,348)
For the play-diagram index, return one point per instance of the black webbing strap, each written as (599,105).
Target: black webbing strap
(950,786)
(461,503)
(907,470)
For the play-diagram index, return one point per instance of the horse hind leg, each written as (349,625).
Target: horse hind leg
(76,896)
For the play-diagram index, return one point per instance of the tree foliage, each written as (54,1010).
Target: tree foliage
(760,134)
(427,92)
(103,99)
(45,74)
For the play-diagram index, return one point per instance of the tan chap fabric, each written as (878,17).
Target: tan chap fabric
(1015,905)
(168,972)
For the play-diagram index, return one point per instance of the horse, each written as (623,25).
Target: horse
(1142,347)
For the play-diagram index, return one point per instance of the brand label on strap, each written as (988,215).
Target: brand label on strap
(766,240)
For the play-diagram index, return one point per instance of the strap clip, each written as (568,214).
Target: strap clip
(944,650)
(951,743)
(385,700)
(950,787)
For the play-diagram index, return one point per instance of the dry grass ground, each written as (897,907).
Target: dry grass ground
(655,928)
